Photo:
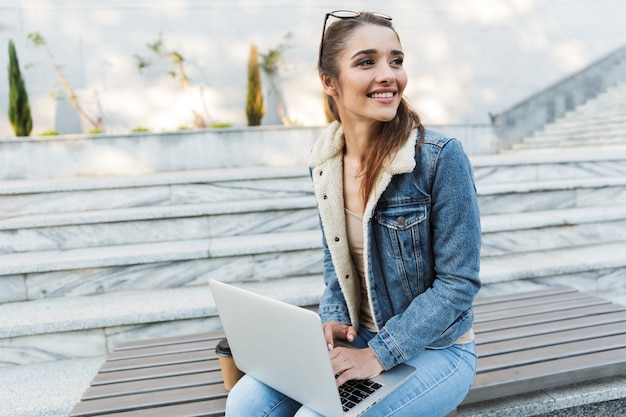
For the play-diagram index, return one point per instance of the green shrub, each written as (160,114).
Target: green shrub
(19,108)
(139,129)
(219,125)
(255,107)
(49,133)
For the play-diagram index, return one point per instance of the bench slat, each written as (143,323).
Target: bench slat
(545,317)
(210,408)
(170,340)
(504,298)
(155,372)
(149,400)
(526,342)
(546,353)
(161,360)
(152,385)
(507,382)
(531,310)
(527,302)
(158,350)
(528,331)
(557,336)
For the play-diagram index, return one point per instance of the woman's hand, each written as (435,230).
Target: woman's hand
(338,331)
(349,363)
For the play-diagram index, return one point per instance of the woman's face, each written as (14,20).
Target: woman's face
(371,76)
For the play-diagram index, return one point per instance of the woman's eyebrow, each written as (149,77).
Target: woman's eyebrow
(374,52)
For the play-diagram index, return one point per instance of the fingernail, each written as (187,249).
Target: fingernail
(330,347)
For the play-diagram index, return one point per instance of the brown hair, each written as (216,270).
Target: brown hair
(391,135)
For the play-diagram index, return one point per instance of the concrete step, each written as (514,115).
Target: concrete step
(152,224)
(600,398)
(45,390)
(22,197)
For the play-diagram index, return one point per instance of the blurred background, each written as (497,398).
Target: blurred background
(465,58)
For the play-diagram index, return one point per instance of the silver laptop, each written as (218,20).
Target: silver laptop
(283,346)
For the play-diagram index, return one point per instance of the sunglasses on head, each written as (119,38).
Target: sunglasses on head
(344,14)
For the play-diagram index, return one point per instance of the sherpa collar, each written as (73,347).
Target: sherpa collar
(331,142)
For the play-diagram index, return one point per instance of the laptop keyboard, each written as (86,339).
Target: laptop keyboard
(355,391)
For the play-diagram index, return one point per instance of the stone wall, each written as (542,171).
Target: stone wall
(141,153)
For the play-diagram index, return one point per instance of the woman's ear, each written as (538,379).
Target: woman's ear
(328,84)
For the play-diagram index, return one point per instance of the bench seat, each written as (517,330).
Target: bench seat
(526,342)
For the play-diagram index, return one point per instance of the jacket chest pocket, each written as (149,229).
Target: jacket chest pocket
(402,234)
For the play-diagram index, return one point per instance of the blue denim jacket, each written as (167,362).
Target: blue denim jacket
(422,236)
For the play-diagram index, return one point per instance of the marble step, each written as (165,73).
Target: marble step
(551,194)
(512,166)
(82,327)
(63,231)
(568,149)
(573,146)
(613,134)
(578,123)
(57,231)
(92,271)
(21,197)
(601,107)
(85,271)
(598,269)
(86,326)
(547,230)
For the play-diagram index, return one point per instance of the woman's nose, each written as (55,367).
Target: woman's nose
(385,74)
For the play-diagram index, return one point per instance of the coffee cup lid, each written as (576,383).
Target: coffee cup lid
(223,348)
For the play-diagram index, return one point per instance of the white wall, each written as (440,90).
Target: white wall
(465,58)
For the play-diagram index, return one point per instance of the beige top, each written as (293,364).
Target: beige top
(354,226)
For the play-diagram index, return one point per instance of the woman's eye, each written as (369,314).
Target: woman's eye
(366,61)
(397,61)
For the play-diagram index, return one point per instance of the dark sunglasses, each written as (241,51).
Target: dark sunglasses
(344,14)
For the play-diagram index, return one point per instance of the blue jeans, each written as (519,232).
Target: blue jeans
(442,380)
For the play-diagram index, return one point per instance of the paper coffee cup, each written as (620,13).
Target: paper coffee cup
(230,372)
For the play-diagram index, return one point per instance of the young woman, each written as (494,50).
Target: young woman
(401,234)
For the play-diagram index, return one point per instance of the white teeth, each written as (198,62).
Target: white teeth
(382,95)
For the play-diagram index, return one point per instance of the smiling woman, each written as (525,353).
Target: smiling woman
(401,234)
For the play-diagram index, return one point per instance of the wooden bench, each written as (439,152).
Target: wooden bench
(526,342)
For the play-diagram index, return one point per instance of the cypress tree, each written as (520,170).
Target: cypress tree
(255,107)
(19,108)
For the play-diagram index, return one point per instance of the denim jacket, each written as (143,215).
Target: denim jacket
(421,240)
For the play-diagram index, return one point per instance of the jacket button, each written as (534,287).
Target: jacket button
(321,172)
(347,276)
(401,220)
(325,197)
(336,239)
